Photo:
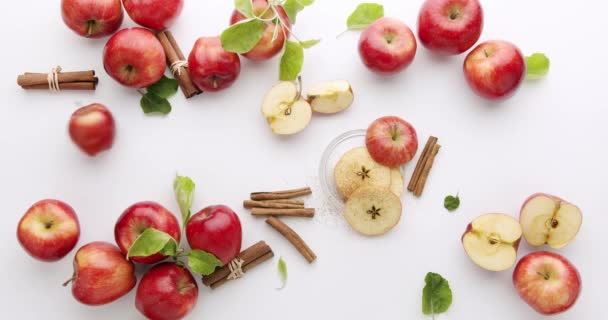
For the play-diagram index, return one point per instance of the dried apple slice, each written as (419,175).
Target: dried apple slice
(397,182)
(330,96)
(284,112)
(372,210)
(356,168)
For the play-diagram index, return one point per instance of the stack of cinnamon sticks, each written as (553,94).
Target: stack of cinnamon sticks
(178,64)
(79,80)
(424,166)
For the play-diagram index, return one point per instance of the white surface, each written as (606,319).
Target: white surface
(550,137)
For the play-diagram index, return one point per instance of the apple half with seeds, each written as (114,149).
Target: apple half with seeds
(356,169)
(547,219)
(330,96)
(285,112)
(373,211)
(491,241)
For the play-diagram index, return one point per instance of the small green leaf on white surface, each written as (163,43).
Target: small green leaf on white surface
(152,103)
(364,15)
(436,295)
(282,268)
(183,187)
(309,43)
(537,65)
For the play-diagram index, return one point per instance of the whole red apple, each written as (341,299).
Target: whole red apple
(139,217)
(266,48)
(387,45)
(217,230)
(48,230)
(450,26)
(92,128)
(211,67)
(166,292)
(101,274)
(154,14)
(134,58)
(92,18)
(391,141)
(548,282)
(495,69)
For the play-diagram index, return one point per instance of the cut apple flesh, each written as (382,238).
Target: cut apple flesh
(373,211)
(491,241)
(550,220)
(397,182)
(285,115)
(330,96)
(356,169)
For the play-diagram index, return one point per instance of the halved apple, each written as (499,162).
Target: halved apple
(330,96)
(547,219)
(356,169)
(372,210)
(397,182)
(491,241)
(283,110)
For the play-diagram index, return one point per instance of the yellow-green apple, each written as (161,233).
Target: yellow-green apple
(48,230)
(216,230)
(102,274)
(387,45)
(548,282)
(266,47)
(211,67)
(134,57)
(139,217)
(492,240)
(450,26)
(495,69)
(166,292)
(92,18)
(285,112)
(330,96)
(92,128)
(154,14)
(391,141)
(547,219)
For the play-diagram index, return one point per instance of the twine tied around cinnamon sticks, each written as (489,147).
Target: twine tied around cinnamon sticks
(178,64)
(53,79)
(236,269)
(57,80)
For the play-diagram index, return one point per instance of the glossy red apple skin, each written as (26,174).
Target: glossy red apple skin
(391,141)
(92,129)
(92,18)
(154,14)
(166,292)
(139,217)
(134,57)
(48,230)
(450,26)
(102,274)
(495,69)
(211,67)
(266,48)
(387,46)
(549,296)
(217,230)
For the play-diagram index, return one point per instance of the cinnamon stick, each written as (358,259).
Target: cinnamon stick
(293,237)
(427,169)
(268,204)
(421,163)
(251,257)
(64,86)
(174,54)
(287,201)
(277,195)
(78,80)
(307,212)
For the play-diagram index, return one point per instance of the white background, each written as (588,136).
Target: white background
(550,137)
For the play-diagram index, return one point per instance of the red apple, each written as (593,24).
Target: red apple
(92,18)
(391,141)
(387,45)
(166,292)
(217,230)
(548,282)
(495,69)
(139,217)
(266,48)
(92,129)
(154,14)
(134,58)
(101,274)
(450,26)
(48,230)
(211,67)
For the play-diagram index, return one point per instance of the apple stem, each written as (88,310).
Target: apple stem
(546,276)
(65,284)
(90,27)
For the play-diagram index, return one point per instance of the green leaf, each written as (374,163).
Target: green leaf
(282,267)
(309,43)
(245,7)
(306,3)
(537,65)
(364,15)
(451,202)
(151,242)
(291,61)
(183,187)
(164,88)
(293,7)
(203,262)
(436,295)
(152,103)
(243,36)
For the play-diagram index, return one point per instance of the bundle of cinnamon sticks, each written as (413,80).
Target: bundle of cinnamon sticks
(79,80)
(424,166)
(279,203)
(178,64)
